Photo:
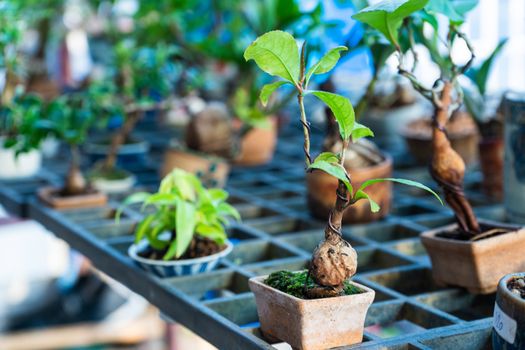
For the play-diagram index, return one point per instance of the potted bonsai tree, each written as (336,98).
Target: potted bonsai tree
(319,308)
(471,253)
(69,119)
(185,234)
(489,121)
(141,72)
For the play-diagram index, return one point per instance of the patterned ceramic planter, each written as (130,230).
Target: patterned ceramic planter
(177,267)
(514,173)
(509,317)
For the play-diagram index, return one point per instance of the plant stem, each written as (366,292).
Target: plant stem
(306,129)
(118,139)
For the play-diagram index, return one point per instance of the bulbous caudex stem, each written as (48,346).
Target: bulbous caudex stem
(448,168)
(75,183)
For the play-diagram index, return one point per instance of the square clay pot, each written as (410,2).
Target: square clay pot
(475,265)
(48,196)
(311,324)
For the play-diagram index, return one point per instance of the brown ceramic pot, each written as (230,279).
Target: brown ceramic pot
(322,187)
(51,197)
(462,133)
(311,324)
(212,171)
(475,265)
(257,146)
(491,163)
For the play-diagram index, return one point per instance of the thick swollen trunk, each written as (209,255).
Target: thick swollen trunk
(118,140)
(448,168)
(75,183)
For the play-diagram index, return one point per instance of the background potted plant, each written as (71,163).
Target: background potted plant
(489,121)
(325,309)
(186,231)
(470,253)
(509,313)
(69,119)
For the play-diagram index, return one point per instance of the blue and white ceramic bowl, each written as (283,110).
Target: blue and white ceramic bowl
(174,268)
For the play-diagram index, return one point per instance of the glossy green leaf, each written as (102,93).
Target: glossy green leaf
(276,53)
(268,89)
(228,209)
(334,169)
(455,10)
(326,63)
(143,227)
(361,131)
(184,228)
(327,157)
(213,232)
(342,110)
(388,15)
(138,197)
(360,194)
(401,181)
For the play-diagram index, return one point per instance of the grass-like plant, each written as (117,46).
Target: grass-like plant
(390,17)
(185,210)
(276,52)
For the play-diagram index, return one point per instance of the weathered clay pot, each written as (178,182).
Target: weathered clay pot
(475,265)
(322,187)
(462,133)
(257,146)
(212,171)
(311,324)
(51,197)
(491,163)
(509,317)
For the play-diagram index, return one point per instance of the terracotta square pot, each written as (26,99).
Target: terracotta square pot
(311,324)
(49,196)
(479,265)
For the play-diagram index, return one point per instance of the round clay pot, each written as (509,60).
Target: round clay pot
(212,171)
(389,123)
(322,187)
(173,268)
(257,146)
(25,165)
(462,133)
(491,162)
(509,317)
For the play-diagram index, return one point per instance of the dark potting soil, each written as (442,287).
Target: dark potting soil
(64,194)
(293,283)
(199,247)
(517,286)
(487,231)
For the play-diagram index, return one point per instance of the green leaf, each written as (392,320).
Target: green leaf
(455,10)
(138,197)
(268,90)
(361,131)
(401,181)
(213,232)
(334,169)
(227,209)
(161,199)
(184,183)
(276,53)
(184,229)
(327,157)
(342,110)
(388,15)
(143,227)
(217,194)
(360,194)
(326,63)
(480,75)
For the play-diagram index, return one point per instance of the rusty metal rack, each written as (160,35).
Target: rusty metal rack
(276,233)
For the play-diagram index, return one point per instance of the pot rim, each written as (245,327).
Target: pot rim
(259,281)
(98,146)
(129,178)
(431,234)
(502,286)
(132,252)
(175,146)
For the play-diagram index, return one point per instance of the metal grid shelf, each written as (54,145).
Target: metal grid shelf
(277,232)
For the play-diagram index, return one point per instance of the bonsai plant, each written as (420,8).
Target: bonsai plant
(185,233)
(468,253)
(141,73)
(69,118)
(337,315)
(489,122)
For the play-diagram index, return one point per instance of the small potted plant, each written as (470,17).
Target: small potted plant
(69,119)
(470,253)
(319,308)
(185,234)
(489,122)
(509,313)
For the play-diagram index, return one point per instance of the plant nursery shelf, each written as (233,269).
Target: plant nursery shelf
(409,310)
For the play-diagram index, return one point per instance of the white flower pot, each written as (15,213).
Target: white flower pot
(25,165)
(114,185)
